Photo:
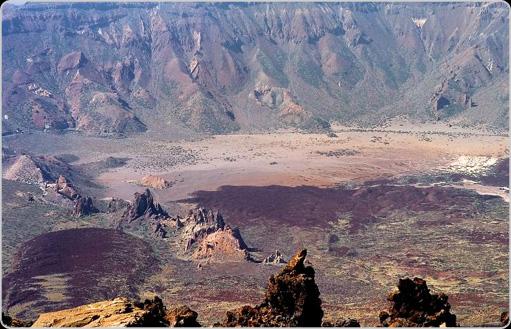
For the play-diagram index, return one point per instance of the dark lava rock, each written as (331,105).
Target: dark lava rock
(306,206)
(504,319)
(182,316)
(84,207)
(291,299)
(341,323)
(160,231)
(12,322)
(155,313)
(414,306)
(144,206)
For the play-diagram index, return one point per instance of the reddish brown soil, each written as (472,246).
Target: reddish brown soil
(98,264)
(308,206)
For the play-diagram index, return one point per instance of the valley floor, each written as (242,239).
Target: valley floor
(371,207)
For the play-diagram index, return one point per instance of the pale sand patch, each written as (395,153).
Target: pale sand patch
(292,159)
(53,287)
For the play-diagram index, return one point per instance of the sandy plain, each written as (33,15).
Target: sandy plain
(294,159)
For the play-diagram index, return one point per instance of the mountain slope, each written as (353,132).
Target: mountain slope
(123,68)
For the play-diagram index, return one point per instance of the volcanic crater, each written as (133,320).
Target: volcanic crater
(72,267)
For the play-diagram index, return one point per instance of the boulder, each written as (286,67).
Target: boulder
(119,312)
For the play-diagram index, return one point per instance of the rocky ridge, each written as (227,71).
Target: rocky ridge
(202,234)
(51,175)
(215,68)
(144,207)
(36,170)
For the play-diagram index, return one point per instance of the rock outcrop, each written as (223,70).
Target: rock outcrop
(155,182)
(274,259)
(66,188)
(73,60)
(115,204)
(37,170)
(414,306)
(291,299)
(206,235)
(224,244)
(341,323)
(199,223)
(143,206)
(27,170)
(84,207)
(119,312)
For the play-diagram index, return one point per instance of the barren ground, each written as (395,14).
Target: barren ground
(286,190)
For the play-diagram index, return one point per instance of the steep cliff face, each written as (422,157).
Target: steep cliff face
(123,68)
